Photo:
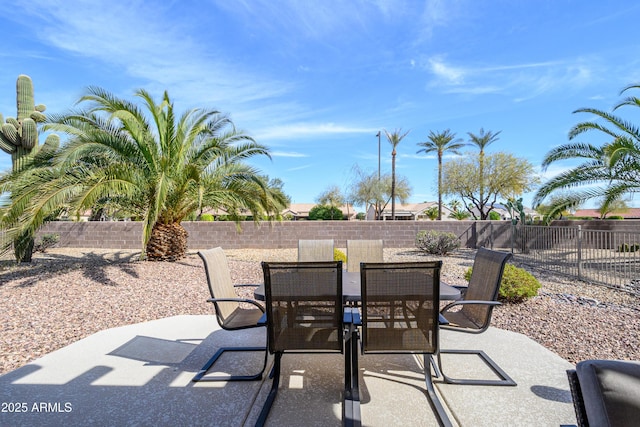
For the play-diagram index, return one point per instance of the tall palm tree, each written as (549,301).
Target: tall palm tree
(394,139)
(440,143)
(159,166)
(482,140)
(608,171)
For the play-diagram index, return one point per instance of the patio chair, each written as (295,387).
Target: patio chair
(400,303)
(304,313)
(315,250)
(230,314)
(472,314)
(363,251)
(606,392)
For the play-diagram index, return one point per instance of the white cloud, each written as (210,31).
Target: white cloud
(451,75)
(303,130)
(287,154)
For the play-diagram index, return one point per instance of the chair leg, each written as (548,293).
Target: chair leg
(505,380)
(266,408)
(351,405)
(434,400)
(200,376)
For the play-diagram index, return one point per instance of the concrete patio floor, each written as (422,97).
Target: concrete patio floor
(141,375)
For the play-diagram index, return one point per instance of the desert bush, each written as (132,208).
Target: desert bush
(625,247)
(437,242)
(45,242)
(206,217)
(338,255)
(516,286)
(494,216)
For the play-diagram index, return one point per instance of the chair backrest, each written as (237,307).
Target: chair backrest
(315,250)
(484,284)
(219,280)
(400,307)
(363,251)
(304,306)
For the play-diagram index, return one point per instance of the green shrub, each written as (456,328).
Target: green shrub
(617,217)
(338,255)
(437,242)
(324,212)
(45,242)
(625,247)
(206,217)
(516,286)
(494,216)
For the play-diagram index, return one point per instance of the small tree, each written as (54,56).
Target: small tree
(504,176)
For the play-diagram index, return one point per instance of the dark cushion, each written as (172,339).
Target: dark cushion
(611,391)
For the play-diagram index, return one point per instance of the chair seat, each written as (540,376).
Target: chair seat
(242,318)
(309,338)
(458,319)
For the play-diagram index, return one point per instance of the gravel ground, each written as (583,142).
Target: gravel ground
(65,295)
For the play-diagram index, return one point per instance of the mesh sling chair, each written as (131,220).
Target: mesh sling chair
(400,303)
(315,250)
(606,392)
(359,251)
(472,314)
(304,313)
(230,314)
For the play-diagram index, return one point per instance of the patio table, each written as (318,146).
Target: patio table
(351,289)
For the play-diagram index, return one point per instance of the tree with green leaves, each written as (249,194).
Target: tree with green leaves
(607,171)
(440,143)
(333,198)
(394,139)
(371,191)
(505,176)
(160,166)
(482,140)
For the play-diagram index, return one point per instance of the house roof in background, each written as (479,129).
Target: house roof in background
(595,213)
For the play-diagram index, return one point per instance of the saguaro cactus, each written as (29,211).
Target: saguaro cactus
(19,137)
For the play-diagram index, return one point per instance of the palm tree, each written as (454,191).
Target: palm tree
(482,140)
(440,143)
(608,171)
(158,166)
(394,139)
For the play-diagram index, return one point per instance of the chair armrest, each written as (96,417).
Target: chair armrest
(254,285)
(469,302)
(245,300)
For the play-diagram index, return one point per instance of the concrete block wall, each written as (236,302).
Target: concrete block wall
(128,235)
(395,234)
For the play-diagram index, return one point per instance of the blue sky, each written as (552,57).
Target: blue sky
(316,80)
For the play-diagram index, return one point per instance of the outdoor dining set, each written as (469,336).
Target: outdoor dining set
(315,305)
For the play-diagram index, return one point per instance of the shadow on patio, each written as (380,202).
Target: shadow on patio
(141,375)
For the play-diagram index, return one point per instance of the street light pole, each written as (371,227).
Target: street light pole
(378,135)
(377,202)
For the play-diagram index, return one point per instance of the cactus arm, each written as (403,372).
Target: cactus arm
(6,145)
(24,96)
(52,143)
(37,116)
(10,133)
(29,133)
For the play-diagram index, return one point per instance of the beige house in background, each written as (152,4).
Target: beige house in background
(410,212)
